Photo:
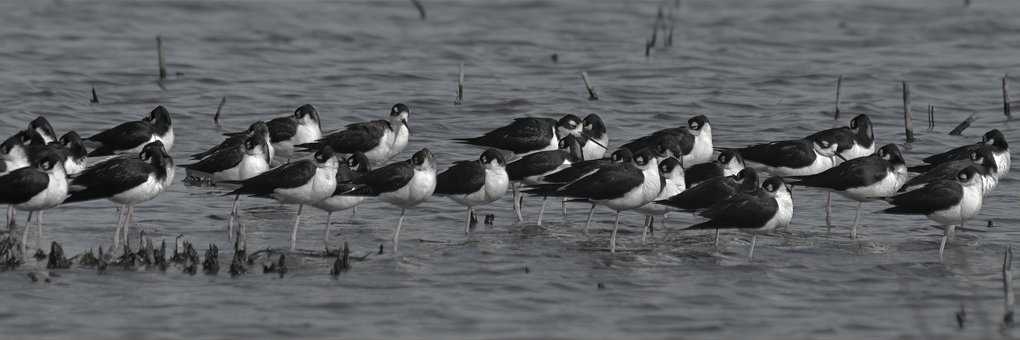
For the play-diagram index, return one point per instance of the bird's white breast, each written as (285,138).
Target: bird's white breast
(593,150)
(702,151)
(54,193)
(1002,162)
(966,209)
(784,212)
(399,141)
(417,190)
(339,202)
(167,139)
(378,155)
(321,186)
(496,184)
(886,187)
(141,193)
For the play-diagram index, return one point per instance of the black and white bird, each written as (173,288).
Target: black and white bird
(35,189)
(947,202)
(127,181)
(982,158)
(998,147)
(303,182)
(855,141)
(350,169)
(692,144)
(13,151)
(580,169)
(42,126)
(77,155)
(799,157)
(728,163)
(528,135)
(595,139)
(474,183)
(532,169)
(379,140)
(713,191)
(620,187)
(403,184)
(764,210)
(258,128)
(673,183)
(285,133)
(131,137)
(862,179)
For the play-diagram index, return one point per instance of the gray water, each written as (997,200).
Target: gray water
(761,71)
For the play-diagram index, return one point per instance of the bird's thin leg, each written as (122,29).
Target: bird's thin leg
(10,217)
(542,211)
(717,238)
(39,222)
(754,242)
(520,208)
(517,202)
(233,217)
(612,239)
(293,232)
(644,229)
(563,205)
(127,225)
(857,218)
(467,221)
(590,214)
(945,240)
(828,209)
(121,216)
(325,229)
(396,233)
(354,212)
(24,235)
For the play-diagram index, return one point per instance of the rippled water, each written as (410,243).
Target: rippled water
(760,70)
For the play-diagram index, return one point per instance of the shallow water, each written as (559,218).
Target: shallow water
(761,71)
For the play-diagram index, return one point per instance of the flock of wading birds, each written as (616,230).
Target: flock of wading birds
(673,169)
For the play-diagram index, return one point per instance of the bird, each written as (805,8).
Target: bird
(982,158)
(302,182)
(799,157)
(35,189)
(259,128)
(595,141)
(673,183)
(855,141)
(13,152)
(947,202)
(527,135)
(476,182)
(403,184)
(353,167)
(131,137)
(77,155)
(999,148)
(42,126)
(304,126)
(532,169)
(692,144)
(580,169)
(127,181)
(620,187)
(862,179)
(728,163)
(764,210)
(236,163)
(713,191)
(380,140)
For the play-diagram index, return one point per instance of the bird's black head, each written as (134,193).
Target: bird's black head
(668,165)
(967,174)
(307,111)
(622,156)
(891,152)
(48,161)
(662,149)
(253,143)
(399,109)
(594,126)
(492,155)
(358,162)
(644,158)
(698,122)
(11,142)
(984,157)
(861,125)
(996,137)
(159,117)
(422,159)
(773,184)
(153,152)
(569,124)
(727,156)
(748,178)
(72,141)
(325,155)
(42,126)
(34,137)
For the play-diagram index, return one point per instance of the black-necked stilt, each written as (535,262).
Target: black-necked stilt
(999,148)
(42,126)
(379,140)
(307,181)
(350,169)
(982,158)
(285,133)
(692,144)
(595,139)
(35,189)
(673,183)
(528,135)
(620,187)
(126,181)
(131,137)
(799,157)
(258,128)
(77,155)
(862,179)
(474,183)
(855,141)
(728,163)
(532,168)
(403,184)
(237,163)
(947,202)
(712,191)
(766,209)
(13,151)
(584,168)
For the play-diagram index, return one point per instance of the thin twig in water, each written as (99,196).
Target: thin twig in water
(931,117)
(592,95)
(95,98)
(219,108)
(963,125)
(839,86)
(162,61)
(1007,287)
(420,7)
(907,124)
(460,86)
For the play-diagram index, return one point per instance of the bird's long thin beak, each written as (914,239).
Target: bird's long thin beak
(596,142)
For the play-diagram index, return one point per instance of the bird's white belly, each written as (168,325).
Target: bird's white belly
(858,151)
(306,133)
(378,155)
(399,142)
(1002,162)
(496,184)
(784,214)
(74,167)
(968,207)
(250,166)
(821,163)
(321,186)
(167,139)
(702,151)
(141,193)
(593,150)
(671,189)
(339,202)
(419,189)
(54,194)
(988,183)
(886,187)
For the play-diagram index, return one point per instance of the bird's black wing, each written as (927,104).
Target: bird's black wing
(360,137)
(389,178)
(281,129)
(461,178)
(523,135)
(938,195)
(576,170)
(121,137)
(230,142)
(945,170)
(219,161)
(607,183)
(962,152)
(793,153)
(740,211)
(20,185)
(703,195)
(109,178)
(290,175)
(843,136)
(854,173)
(702,172)
(535,164)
